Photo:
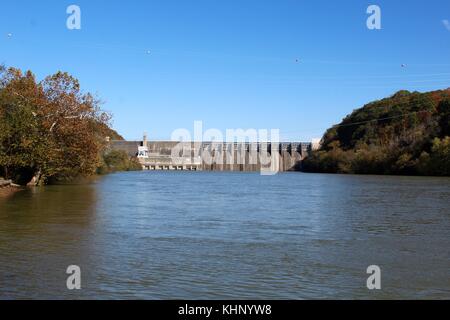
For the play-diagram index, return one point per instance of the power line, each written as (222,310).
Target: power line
(379,119)
(360,122)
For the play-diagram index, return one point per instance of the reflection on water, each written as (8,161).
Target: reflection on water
(228,235)
(42,231)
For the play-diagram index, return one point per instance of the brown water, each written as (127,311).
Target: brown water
(156,235)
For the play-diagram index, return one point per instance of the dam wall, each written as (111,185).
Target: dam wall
(213,156)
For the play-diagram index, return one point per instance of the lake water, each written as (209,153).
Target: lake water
(186,235)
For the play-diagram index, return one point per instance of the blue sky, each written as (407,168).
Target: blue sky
(232,64)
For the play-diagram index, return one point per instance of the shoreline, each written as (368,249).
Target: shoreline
(7,188)
(9,191)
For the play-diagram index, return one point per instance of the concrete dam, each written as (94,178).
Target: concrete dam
(215,156)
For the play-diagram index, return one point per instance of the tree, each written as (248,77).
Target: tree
(406,133)
(117,160)
(444,122)
(48,129)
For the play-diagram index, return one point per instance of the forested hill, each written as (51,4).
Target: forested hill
(407,133)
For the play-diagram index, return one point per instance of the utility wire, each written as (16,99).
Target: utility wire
(357,123)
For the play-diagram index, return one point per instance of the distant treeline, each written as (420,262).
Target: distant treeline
(406,134)
(50,130)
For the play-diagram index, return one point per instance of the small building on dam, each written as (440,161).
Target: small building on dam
(214,156)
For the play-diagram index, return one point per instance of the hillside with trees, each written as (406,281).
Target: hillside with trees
(405,134)
(50,129)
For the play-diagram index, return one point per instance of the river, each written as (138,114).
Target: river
(208,235)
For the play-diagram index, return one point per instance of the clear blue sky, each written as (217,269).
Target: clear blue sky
(232,63)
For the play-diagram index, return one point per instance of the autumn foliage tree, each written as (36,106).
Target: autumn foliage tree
(48,129)
(407,134)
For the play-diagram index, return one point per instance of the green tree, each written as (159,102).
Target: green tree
(117,160)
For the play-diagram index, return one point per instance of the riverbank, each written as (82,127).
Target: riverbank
(7,188)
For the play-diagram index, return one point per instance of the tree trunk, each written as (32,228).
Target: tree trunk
(37,179)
